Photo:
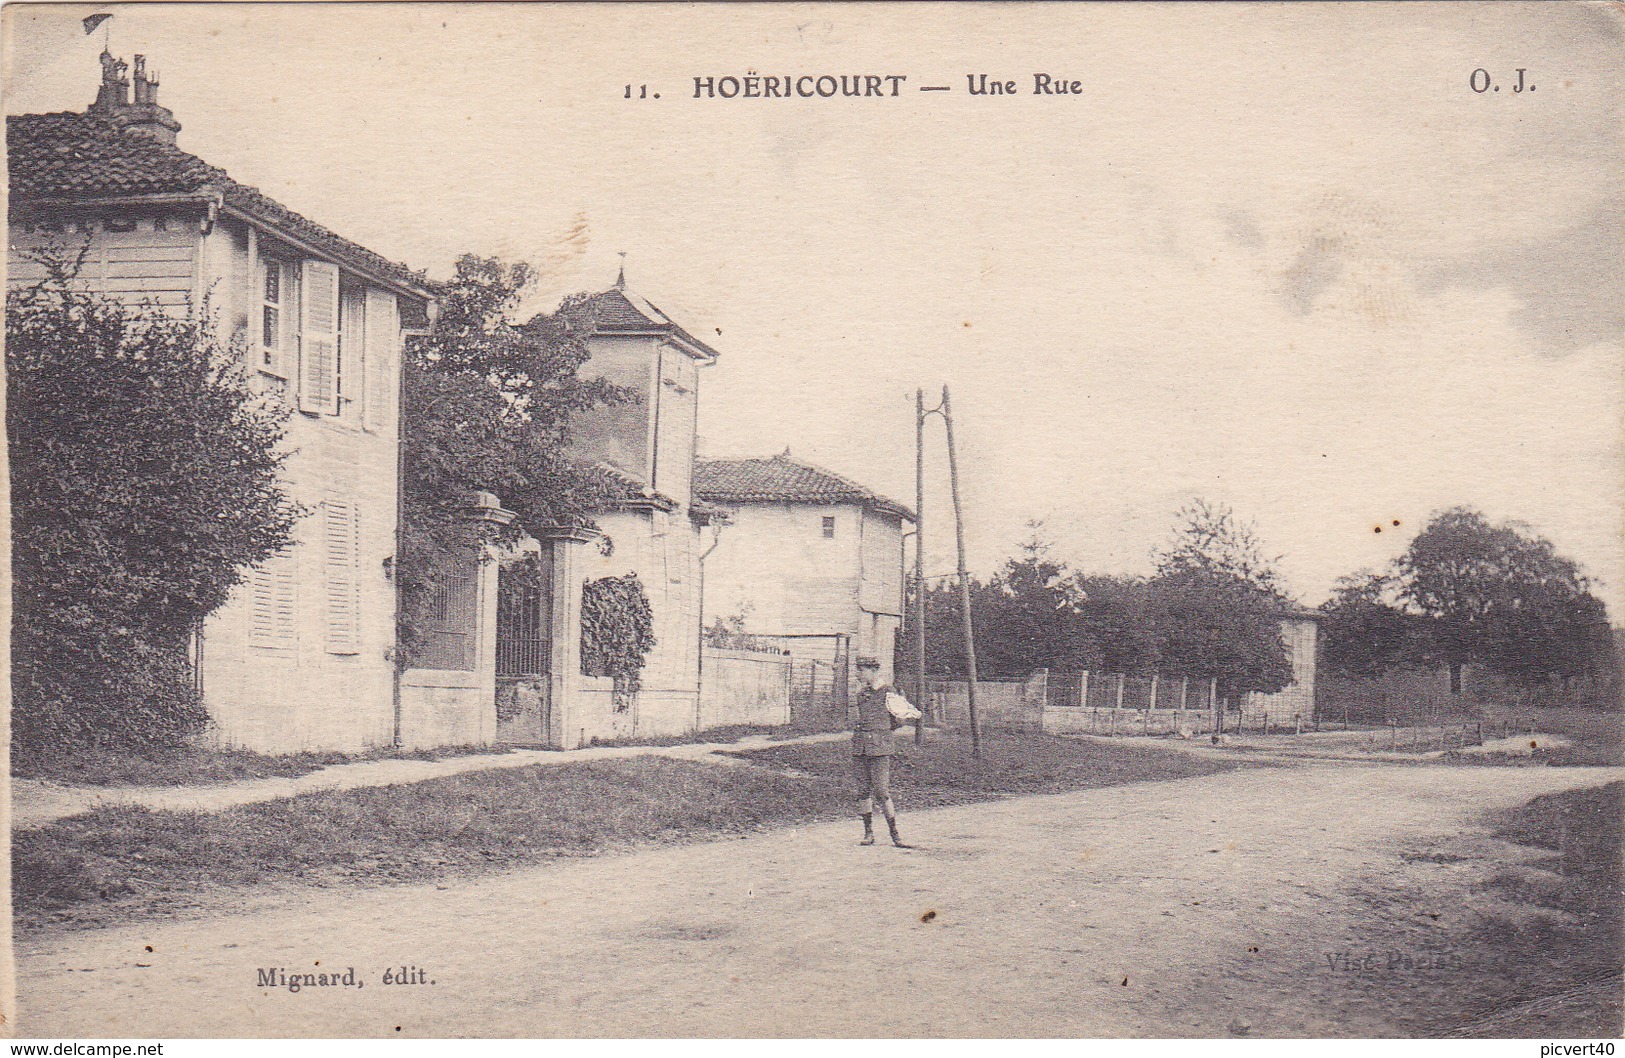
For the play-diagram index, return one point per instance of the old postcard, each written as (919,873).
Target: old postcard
(815,520)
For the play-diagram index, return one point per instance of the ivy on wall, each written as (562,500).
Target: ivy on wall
(617,631)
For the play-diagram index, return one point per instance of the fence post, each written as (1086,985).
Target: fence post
(1153,690)
(1298,719)
(1184,685)
(1083,688)
(1479,730)
(1145,723)
(1119,690)
(1113,732)
(1213,704)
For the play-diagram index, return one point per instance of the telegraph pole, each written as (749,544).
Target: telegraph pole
(920,700)
(964,577)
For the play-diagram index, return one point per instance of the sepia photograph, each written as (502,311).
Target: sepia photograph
(713,521)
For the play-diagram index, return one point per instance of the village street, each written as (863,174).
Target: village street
(1196,907)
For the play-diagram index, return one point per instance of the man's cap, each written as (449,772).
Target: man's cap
(867,662)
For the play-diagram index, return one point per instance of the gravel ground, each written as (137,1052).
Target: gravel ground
(1211,906)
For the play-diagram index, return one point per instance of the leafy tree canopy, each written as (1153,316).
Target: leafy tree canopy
(487,407)
(1212,610)
(144,483)
(1498,594)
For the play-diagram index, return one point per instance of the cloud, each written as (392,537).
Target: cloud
(1571,285)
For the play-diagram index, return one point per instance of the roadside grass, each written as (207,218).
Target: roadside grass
(726,734)
(943,771)
(121,864)
(1583,940)
(203,766)
(1596,737)
(1464,940)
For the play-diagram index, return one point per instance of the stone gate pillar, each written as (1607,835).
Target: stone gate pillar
(564,627)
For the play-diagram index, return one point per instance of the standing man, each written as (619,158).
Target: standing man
(873,745)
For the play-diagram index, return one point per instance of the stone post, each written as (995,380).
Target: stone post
(564,679)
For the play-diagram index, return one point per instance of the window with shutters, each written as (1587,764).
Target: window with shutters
(275,325)
(382,351)
(318,338)
(271,601)
(350,365)
(340,551)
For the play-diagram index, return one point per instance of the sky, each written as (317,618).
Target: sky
(1277,256)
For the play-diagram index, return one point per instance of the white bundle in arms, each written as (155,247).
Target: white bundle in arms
(899,707)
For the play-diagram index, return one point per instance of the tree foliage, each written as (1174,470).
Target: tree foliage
(144,483)
(487,403)
(1499,595)
(617,630)
(1216,603)
(1213,609)
(1363,632)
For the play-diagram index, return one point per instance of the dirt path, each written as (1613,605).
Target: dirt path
(1200,907)
(35,803)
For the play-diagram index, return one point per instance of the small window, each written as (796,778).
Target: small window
(271,309)
(160,224)
(829,527)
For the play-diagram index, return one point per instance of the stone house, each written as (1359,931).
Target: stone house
(808,553)
(656,529)
(1297,699)
(300,658)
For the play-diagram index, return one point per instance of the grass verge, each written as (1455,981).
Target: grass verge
(1541,957)
(943,771)
(118,865)
(202,766)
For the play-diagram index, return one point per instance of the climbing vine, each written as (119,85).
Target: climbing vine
(617,631)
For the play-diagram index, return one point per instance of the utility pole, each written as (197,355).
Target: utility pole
(920,700)
(964,577)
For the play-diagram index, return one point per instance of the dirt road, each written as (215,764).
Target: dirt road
(1201,907)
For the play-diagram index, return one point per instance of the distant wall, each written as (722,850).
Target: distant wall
(1001,705)
(744,687)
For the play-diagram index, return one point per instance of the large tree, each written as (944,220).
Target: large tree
(1212,610)
(1500,595)
(1216,603)
(1364,631)
(487,406)
(144,482)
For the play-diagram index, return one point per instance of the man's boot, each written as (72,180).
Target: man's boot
(868,829)
(896,838)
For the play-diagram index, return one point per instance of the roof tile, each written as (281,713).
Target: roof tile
(784,479)
(66,156)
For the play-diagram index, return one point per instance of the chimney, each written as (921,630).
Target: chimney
(114,94)
(141,116)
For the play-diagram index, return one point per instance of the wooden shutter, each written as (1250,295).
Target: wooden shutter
(340,546)
(383,355)
(318,337)
(270,601)
(352,345)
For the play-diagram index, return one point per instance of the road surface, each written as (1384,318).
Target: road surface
(1211,906)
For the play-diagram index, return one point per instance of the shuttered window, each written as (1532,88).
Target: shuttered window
(274,322)
(352,368)
(318,338)
(270,602)
(340,547)
(382,353)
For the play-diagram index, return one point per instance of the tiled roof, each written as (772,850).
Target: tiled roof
(629,490)
(784,479)
(67,156)
(620,312)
